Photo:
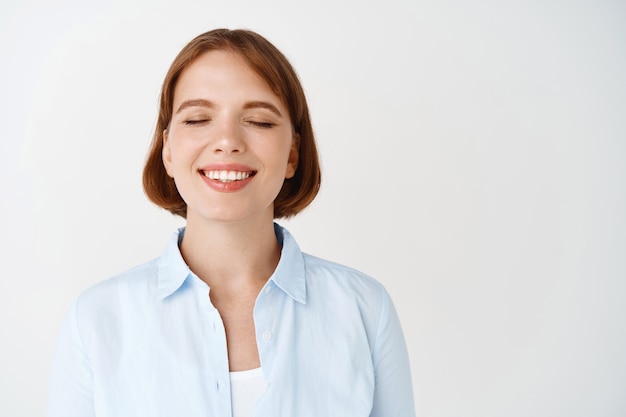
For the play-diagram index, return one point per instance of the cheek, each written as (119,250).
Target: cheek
(182,153)
(281,158)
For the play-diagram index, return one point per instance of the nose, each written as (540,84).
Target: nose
(228,138)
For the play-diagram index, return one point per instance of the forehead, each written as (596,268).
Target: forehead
(222,74)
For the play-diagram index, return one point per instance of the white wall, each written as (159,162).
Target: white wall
(473,155)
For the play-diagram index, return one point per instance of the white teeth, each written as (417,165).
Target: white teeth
(226,176)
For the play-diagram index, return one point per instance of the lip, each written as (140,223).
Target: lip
(226,186)
(226,166)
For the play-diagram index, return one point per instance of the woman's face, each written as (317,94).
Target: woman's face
(230,143)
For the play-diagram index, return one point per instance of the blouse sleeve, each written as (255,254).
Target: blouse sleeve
(70,393)
(393,395)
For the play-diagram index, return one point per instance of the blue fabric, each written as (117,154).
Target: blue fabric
(150,343)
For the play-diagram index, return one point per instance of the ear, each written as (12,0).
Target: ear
(294,156)
(166,154)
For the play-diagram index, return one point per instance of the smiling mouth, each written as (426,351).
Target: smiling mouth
(228,176)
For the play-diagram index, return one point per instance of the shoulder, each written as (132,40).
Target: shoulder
(333,272)
(322,279)
(140,277)
(340,281)
(139,282)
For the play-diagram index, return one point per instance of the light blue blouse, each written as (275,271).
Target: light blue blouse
(150,343)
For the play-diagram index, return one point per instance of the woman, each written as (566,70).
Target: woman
(232,319)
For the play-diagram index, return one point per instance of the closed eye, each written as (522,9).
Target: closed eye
(264,125)
(195,122)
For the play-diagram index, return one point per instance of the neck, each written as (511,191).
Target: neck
(229,256)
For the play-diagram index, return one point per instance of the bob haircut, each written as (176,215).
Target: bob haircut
(269,63)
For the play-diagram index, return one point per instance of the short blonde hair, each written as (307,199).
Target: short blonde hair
(267,61)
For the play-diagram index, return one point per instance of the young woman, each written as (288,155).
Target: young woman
(232,319)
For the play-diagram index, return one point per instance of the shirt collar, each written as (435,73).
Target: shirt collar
(172,269)
(289,275)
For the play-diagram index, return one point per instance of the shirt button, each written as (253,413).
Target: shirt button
(267,336)
(267,290)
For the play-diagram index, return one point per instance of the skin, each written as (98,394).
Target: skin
(225,113)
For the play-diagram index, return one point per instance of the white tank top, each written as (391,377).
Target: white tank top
(245,389)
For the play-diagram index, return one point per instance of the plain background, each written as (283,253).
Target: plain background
(473,157)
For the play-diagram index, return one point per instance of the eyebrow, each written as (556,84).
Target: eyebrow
(262,105)
(198,102)
(248,105)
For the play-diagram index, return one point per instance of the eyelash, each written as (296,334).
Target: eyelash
(262,125)
(196,122)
